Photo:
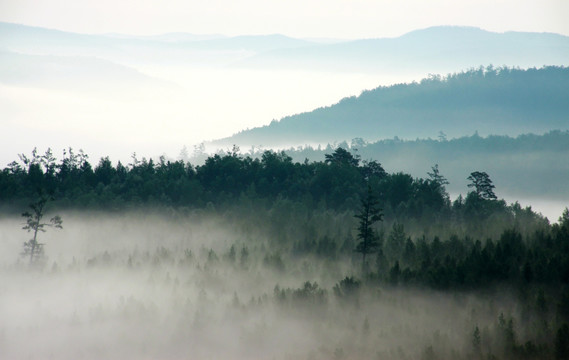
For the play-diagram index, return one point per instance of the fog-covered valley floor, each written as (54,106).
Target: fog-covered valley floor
(147,286)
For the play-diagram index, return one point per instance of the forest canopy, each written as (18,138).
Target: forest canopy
(293,216)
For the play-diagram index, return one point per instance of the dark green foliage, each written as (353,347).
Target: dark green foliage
(562,342)
(409,253)
(309,296)
(520,164)
(337,183)
(395,273)
(490,100)
(287,191)
(395,242)
(305,209)
(296,219)
(507,334)
(482,185)
(347,289)
(501,342)
(369,214)
(326,248)
(373,169)
(310,293)
(463,263)
(342,157)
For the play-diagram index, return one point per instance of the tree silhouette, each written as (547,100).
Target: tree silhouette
(482,185)
(477,343)
(438,180)
(33,224)
(369,214)
(342,157)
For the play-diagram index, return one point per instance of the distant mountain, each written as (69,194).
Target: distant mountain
(70,73)
(436,50)
(174,37)
(126,50)
(257,43)
(487,100)
(433,50)
(172,48)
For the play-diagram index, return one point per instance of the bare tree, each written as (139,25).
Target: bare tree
(34,224)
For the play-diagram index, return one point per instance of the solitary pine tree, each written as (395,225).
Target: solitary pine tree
(482,185)
(342,157)
(438,180)
(34,224)
(368,215)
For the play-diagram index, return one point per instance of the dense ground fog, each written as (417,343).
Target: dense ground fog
(171,286)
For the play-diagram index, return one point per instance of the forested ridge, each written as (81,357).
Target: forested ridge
(526,165)
(359,249)
(492,100)
(305,213)
(426,237)
(336,183)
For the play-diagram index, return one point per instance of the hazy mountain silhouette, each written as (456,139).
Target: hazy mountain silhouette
(71,73)
(437,49)
(174,37)
(182,48)
(432,50)
(488,100)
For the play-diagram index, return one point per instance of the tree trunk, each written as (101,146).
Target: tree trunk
(34,242)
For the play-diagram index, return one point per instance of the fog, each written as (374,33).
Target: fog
(112,95)
(175,107)
(145,285)
(203,283)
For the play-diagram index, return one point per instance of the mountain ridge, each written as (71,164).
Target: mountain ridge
(490,100)
(442,49)
(438,49)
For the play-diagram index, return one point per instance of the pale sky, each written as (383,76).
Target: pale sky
(298,18)
(151,123)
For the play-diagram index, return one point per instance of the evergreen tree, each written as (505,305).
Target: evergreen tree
(482,185)
(562,342)
(369,214)
(438,181)
(342,157)
(395,243)
(476,343)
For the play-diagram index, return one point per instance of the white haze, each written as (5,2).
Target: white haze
(123,287)
(177,107)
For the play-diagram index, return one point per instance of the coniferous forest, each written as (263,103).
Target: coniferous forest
(323,180)
(333,258)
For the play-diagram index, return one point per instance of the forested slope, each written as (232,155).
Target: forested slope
(489,100)
(527,166)
(296,219)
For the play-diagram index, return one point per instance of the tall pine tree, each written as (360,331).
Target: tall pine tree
(369,214)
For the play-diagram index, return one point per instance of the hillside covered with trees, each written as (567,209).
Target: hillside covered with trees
(491,100)
(361,241)
(527,166)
